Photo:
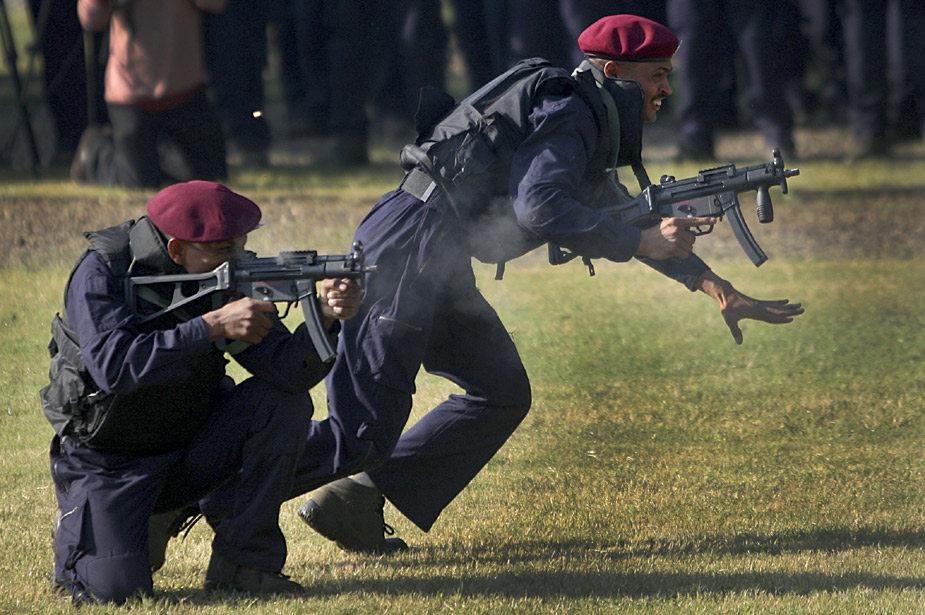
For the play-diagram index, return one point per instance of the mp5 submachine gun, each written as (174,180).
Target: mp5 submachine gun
(712,193)
(287,278)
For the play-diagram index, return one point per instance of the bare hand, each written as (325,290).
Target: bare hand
(340,299)
(736,306)
(671,238)
(243,319)
(740,307)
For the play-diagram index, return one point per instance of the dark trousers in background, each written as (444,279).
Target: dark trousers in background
(714,34)
(236,54)
(147,149)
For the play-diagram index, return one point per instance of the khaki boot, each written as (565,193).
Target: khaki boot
(351,515)
(164,526)
(225,575)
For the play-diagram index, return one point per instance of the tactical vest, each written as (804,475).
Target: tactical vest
(151,420)
(467,148)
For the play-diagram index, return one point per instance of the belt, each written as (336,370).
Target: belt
(418,184)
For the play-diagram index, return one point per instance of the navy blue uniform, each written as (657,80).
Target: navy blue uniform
(422,307)
(712,31)
(871,42)
(244,454)
(236,53)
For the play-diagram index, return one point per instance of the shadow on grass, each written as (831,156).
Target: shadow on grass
(819,540)
(565,584)
(411,574)
(824,540)
(555,584)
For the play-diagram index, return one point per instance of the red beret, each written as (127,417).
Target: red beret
(202,211)
(629,38)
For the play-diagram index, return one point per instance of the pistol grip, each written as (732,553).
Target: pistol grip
(765,207)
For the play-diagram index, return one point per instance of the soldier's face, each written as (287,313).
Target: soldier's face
(198,257)
(653,78)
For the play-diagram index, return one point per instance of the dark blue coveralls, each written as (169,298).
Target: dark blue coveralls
(422,307)
(243,455)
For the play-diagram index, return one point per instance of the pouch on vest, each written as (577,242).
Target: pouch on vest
(72,400)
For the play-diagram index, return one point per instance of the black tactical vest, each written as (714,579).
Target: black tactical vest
(152,420)
(467,148)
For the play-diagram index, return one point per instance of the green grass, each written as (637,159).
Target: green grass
(662,469)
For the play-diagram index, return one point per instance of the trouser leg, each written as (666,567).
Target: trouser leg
(195,129)
(436,458)
(246,454)
(236,44)
(864,28)
(381,349)
(756,23)
(101,539)
(422,307)
(240,468)
(702,62)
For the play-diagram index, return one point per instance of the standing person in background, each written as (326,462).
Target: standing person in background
(867,42)
(825,98)
(908,109)
(163,128)
(707,28)
(415,43)
(236,54)
(60,40)
(326,41)
(549,29)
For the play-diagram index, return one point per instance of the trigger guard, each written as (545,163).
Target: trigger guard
(698,231)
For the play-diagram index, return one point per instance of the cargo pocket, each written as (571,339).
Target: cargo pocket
(392,351)
(71,537)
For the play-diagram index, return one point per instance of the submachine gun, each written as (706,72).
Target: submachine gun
(287,278)
(712,193)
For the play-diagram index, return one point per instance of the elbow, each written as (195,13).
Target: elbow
(535,221)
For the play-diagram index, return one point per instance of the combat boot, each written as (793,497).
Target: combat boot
(351,514)
(164,526)
(225,575)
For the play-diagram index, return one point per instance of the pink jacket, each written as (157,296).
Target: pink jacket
(155,47)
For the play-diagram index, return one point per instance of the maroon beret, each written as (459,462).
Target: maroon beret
(202,211)
(628,38)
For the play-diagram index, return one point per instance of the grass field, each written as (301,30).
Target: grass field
(663,469)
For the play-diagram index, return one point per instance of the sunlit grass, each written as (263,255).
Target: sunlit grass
(662,469)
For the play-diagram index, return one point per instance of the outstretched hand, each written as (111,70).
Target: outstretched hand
(736,306)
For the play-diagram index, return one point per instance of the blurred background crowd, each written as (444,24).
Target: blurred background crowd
(345,66)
